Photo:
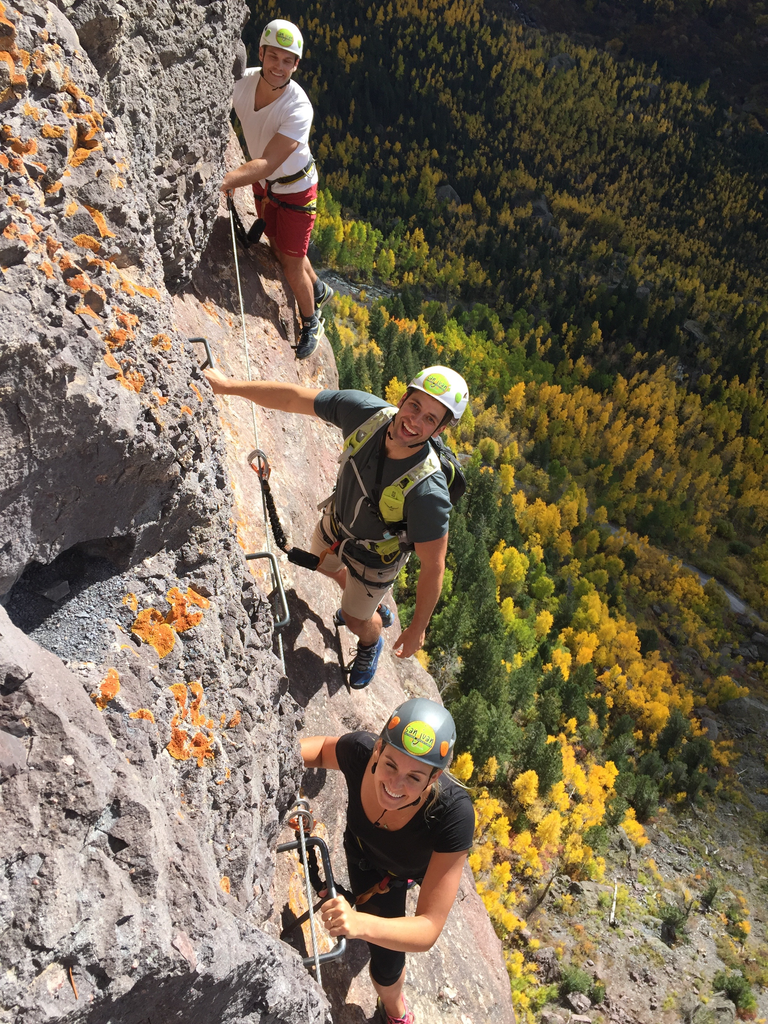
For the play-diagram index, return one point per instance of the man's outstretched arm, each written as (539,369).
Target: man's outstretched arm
(269,394)
(432,557)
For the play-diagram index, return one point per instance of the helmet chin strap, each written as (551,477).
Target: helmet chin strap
(419,444)
(274,88)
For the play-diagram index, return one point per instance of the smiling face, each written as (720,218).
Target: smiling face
(399,779)
(419,418)
(277,65)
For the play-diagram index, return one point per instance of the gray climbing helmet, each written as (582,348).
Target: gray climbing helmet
(423,730)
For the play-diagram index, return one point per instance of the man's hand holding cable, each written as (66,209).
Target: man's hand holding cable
(340,919)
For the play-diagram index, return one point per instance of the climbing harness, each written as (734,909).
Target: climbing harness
(303,823)
(388,504)
(309,208)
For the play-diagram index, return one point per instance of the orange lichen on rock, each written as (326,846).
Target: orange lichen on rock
(82,153)
(100,221)
(144,713)
(78,282)
(224,884)
(87,242)
(179,616)
(51,131)
(194,598)
(161,399)
(116,338)
(28,148)
(51,246)
(234,720)
(194,708)
(71,209)
(162,341)
(132,381)
(132,601)
(149,293)
(151,627)
(87,311)
(178,745)
(196,389)
(187,410)
(179,692)
(107,691)
(181,749)
(201,748)
(47,269)
(128,320)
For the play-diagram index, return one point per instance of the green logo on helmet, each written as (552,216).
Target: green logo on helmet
(418,738)
(436,384)
(284,37)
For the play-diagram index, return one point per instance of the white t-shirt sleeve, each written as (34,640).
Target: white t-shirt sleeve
(297,123)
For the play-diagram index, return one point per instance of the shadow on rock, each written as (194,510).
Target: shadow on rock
(307,670)
(258,268)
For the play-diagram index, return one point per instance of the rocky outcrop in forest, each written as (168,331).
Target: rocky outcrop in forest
(147,729)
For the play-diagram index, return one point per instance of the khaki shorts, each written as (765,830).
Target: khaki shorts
(358,600)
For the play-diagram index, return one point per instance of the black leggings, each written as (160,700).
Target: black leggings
(386,964)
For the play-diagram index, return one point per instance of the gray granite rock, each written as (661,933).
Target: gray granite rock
(166,75)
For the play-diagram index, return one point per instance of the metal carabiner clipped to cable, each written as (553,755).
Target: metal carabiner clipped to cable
(262,469)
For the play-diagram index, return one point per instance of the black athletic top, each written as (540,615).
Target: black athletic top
(448,827)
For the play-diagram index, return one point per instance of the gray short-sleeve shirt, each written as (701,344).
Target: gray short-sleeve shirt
(427,505)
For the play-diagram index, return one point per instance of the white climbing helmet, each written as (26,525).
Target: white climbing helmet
(447,386)
(283,34)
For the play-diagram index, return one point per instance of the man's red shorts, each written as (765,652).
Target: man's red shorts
(288,229)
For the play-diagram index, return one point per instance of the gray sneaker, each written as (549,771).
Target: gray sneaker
(311,330)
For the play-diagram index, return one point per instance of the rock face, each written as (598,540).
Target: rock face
(113,906)
(125,819)
(166,74)
(148,727)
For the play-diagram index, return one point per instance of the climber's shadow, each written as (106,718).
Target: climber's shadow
(255,263)
(307,672)
(337,979)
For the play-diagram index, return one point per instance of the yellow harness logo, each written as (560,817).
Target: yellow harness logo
(418,738)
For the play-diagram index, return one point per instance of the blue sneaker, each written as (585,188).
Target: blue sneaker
(387,618)
(363,668)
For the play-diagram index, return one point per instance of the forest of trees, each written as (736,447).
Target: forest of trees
(587,242)
(582,189)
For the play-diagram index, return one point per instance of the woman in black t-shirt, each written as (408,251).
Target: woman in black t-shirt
(404,823)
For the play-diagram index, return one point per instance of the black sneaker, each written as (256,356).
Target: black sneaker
(311,329)
(323,292)
(363,668)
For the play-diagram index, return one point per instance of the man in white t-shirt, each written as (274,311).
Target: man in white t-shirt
(276,116)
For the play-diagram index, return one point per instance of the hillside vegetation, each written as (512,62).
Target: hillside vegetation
(585,240)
